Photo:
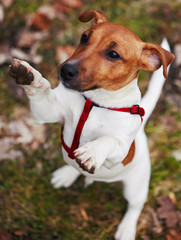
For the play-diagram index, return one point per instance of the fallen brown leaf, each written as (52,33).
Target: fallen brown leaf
(7,3)
(65,6)
(71,3)
(84,214)
(172,219)
(156,225)
(27,38)
(12,155)
(60,8)
(1,13)
(172,197)
(168,212)
(22,231)
(173,234)
(22,130)
(146,238)
(165,206)
(4,235)
(41,21)
(18,53)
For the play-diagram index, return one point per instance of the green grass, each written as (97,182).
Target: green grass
(28,200)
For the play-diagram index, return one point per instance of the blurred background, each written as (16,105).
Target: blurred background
(44,33)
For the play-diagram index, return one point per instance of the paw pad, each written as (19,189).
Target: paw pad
(20,73)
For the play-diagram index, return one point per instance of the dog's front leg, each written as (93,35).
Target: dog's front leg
(92,155)
(44,104)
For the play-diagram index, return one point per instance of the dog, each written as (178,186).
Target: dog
(98,104)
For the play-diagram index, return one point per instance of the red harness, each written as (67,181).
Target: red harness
(135,109)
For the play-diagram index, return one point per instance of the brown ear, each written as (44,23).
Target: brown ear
(95,16)
(153,56)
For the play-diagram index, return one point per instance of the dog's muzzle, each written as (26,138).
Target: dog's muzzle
(68,72)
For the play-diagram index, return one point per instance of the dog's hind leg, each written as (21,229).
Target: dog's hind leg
(64,177)
(136,196)
(135,191)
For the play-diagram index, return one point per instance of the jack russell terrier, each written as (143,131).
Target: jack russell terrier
(97,103)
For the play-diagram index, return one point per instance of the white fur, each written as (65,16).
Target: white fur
(105,139)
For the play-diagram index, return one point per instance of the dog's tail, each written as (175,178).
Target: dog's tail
(152,95)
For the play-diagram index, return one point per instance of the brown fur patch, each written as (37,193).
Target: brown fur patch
(130,155)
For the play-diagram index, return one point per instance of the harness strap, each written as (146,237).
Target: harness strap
(135,109)
(78,131)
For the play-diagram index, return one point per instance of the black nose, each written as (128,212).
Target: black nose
(68,72)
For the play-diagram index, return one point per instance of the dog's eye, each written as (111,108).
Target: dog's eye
(84,39)
(113,55)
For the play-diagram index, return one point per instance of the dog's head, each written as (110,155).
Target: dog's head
(110,56)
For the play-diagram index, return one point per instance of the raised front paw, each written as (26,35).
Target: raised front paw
(21,73)
(89,157)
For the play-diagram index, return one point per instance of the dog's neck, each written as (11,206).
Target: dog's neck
(124,97)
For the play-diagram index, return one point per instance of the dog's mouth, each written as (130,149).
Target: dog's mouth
(70,75)
(78,87)
(72,86)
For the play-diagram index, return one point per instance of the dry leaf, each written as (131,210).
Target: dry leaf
(4,235)
(27,38)
(166,206)
(71,3)
(60,8)
(22,231)
(17,53)
(149,220)
(1,13)
(30,133)
(172,197)
(48,10)
(145,237)
(84,214)
(41,21)
(6,143)
(145,220)
(22,131)
(65,6)
(168,212)
(173,234)
(7,3)
(12,155)
(172,219)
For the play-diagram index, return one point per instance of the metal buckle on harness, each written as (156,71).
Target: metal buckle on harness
(135,109)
